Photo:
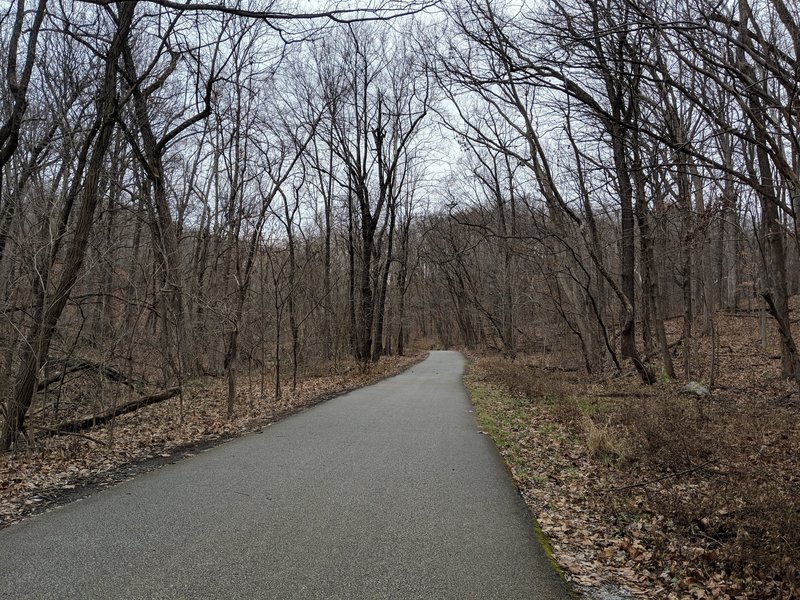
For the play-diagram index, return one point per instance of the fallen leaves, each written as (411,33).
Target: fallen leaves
(686,497)
(51,469)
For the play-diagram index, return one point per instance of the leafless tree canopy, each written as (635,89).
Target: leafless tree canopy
(207,189)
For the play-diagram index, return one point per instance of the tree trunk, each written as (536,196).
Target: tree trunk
(649,286)
(628,253)
(41,331)
(377,347)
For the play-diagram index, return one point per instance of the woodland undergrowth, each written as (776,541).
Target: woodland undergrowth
(45,470)
(651,491)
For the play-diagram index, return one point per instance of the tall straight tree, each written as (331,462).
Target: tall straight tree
(382,107)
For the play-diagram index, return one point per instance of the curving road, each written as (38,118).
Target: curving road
(386,492)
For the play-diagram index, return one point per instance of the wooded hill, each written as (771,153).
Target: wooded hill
(195,191)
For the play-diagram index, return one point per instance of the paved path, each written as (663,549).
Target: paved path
(387,492)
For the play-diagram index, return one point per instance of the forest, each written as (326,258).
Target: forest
(235,198)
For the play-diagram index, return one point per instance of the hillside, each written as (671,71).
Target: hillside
(648,489)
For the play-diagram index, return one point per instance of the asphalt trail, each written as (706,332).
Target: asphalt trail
(386,492)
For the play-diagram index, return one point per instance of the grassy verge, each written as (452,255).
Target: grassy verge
(647,493)
(503,416)
(540,454)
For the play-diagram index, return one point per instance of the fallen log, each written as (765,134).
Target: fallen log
(656,352)
(72,365)
(48,432)
(43,385)
(89,422)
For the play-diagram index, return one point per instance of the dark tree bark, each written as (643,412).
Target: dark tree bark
(39,337)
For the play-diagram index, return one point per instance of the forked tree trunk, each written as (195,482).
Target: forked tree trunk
(378,347)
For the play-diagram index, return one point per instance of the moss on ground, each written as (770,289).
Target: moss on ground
(502,416)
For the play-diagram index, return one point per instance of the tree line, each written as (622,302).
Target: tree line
(625,163)
(191,190)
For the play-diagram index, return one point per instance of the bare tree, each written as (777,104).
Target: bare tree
(37,342)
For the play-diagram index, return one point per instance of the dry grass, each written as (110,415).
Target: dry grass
(670,496)
(606,441)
